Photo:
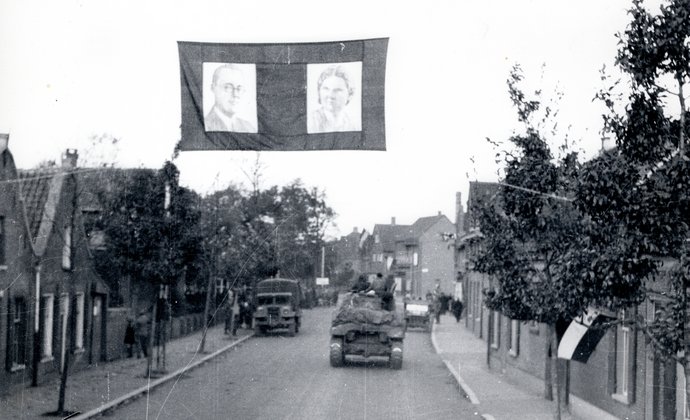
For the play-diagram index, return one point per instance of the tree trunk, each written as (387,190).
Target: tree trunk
(489,334)
(152,331)
(207,306)
(65,365)
(548,383)
(554,371)
(681,98)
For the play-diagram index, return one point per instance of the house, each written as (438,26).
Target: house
(346,257)
(47,275)
(467,243)
(622,378)
(417,255)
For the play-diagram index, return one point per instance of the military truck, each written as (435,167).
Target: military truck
(278,306)
(362,329)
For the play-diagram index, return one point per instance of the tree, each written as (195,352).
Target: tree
(636,194)
(529,231)
(152,236)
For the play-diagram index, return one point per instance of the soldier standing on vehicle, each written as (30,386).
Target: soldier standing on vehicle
(361,285)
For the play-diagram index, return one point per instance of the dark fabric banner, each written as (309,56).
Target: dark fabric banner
(307,96)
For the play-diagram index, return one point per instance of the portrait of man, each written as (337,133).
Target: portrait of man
(333,101)
(230,97)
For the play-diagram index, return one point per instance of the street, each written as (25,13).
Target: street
(277,377)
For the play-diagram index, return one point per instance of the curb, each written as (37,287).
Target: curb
(154,384)
(461,382)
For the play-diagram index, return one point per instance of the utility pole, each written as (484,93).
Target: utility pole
(323,261)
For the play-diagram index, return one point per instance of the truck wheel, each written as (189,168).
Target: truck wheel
(258,331)
(292,330)
(336,354)
(396,358)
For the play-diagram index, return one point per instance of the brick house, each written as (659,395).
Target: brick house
(417,254)
(622,378)
(48,274)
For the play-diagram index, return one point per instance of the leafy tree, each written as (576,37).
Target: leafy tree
(636,195)
(529,231)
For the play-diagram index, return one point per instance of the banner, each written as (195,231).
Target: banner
(307,96)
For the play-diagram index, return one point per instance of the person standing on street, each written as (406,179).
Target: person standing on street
(130,337)
(141,329)
(228,312)
(457,308)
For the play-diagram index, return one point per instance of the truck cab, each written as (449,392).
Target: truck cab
(278,306)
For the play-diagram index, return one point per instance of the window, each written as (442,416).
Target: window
(79,327)
(220,287)
(624,361)
(415,259)
(514,337)
(17,341)
(47,307)
(67,248)
(2,241)
(495,329)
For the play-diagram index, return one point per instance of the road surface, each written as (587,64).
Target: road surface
(277,377)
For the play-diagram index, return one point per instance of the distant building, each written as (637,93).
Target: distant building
(416,255)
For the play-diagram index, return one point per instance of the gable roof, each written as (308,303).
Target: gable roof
(40,191)
(479,192)
(424,223)
(390,234)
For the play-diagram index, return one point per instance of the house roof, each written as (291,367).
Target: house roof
(479,192)
(40,191)
(389,234)
(424,223)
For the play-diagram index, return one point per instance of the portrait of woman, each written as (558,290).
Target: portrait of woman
(333,100)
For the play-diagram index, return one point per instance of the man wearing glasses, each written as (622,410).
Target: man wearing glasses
(227,86)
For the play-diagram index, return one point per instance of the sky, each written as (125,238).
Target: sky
(74,70)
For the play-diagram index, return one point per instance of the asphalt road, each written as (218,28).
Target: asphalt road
(277,377)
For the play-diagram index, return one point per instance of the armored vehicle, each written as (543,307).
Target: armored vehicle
(362,329)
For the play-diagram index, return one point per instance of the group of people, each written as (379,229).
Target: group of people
(237,308)
(137,334)
(442,302)
(384,288)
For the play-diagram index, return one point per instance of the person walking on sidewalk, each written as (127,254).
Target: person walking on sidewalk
(130,337)
(141,328)
(232,313)
(457,307)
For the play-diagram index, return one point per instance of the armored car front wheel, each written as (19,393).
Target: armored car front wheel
(337,357)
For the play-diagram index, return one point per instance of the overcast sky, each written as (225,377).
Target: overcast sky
(70,70)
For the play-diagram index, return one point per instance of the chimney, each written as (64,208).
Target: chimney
(393,220)
(354,230)
(439,213)
(4,139)
(459,213)
(69,159)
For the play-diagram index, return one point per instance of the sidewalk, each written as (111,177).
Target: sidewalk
(496,396)
(93,387)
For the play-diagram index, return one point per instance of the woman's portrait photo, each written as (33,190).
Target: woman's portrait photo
(334,97)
